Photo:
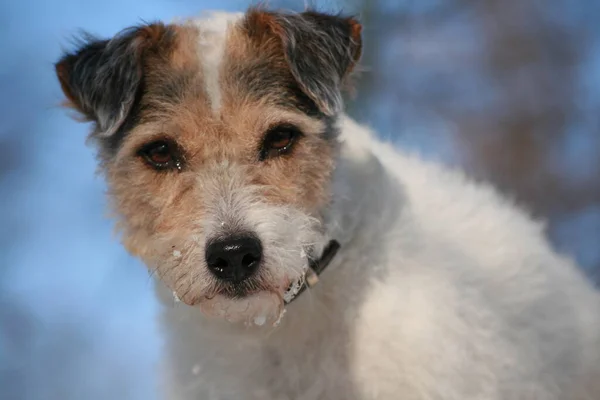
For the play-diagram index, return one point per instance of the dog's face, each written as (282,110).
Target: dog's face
(217,138)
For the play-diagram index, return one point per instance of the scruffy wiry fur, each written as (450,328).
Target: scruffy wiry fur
(441,290)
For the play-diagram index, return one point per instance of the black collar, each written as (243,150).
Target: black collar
(315,268)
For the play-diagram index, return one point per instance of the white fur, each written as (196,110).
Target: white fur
(442,289)
(213,29)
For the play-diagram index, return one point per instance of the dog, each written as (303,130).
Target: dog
(297,255)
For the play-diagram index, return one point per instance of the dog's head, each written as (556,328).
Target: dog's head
(217,138)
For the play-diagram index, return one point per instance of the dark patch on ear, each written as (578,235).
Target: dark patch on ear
(103,79)
(320,49)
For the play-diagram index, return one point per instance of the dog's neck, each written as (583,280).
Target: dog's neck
(363,212)
(361,188)
(356,177)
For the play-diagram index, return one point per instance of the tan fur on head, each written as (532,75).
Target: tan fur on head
(213,89)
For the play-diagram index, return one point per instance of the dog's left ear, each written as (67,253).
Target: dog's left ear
(102,77)
(321,50)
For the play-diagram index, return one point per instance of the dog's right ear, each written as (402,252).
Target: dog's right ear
(321,50)
(101,78)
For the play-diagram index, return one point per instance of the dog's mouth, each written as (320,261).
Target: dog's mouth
(239,290)
(252,302)
(261,308)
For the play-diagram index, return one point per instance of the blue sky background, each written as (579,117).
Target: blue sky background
(76,312)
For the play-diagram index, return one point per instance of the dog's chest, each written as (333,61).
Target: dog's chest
(317,367)
(306,360)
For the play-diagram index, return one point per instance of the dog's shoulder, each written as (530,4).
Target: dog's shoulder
(472,271)
(467,233)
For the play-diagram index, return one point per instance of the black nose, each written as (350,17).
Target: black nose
(235,258)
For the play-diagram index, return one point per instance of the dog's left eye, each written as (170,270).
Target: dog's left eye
(160,155)
(279,140)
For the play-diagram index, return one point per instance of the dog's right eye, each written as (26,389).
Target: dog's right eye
(278,141)
(161,155)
